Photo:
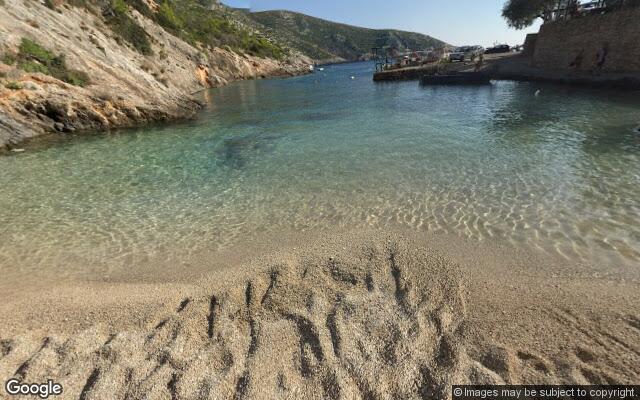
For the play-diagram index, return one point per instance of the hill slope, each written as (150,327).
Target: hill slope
(75,65)
(330,41)
(70,65)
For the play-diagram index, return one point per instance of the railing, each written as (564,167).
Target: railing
(573,9)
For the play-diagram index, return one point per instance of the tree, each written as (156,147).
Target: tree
(522,13)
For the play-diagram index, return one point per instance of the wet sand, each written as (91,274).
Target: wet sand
(349,315)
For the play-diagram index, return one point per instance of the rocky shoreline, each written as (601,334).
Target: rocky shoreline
(125,88)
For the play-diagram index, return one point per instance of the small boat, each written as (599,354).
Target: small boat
(462,78)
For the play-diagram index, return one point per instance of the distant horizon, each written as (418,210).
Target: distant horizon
(463,23)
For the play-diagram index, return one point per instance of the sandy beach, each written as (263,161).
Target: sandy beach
(366,315)
(176,226)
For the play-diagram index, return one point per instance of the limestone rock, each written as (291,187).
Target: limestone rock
(126,88)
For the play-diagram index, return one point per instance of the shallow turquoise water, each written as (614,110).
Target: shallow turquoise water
(559,172)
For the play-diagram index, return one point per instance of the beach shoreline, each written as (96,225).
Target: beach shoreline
(304,319)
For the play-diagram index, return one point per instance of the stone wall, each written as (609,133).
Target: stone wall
(559,44)
(530,44)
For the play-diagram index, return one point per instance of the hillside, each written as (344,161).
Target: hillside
(76,65)
(330,41)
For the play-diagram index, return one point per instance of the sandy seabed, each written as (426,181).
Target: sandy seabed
(354,316)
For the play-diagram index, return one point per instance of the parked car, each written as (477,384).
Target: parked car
(436,55)
(501,48)
(472,52)
(466,53)
(590,6)
(457,56)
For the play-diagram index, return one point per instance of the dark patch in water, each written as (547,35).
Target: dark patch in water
(323,116)
(236,152)
(248,122)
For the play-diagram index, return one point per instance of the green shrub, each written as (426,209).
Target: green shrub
(261,47)
(142,7)
(119,7)
(34,58)
(168,18)
(127,29)
(34,67)
(32,50)
(74,77)
(13,85)
(9,59)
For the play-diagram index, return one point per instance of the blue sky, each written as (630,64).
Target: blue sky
(458,22)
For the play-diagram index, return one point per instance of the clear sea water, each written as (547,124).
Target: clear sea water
(558,172)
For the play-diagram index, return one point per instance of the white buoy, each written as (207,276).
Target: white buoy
(538,93)
(353,77)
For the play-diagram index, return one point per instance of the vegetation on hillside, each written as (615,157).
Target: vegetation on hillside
(32,57)
(127,28)
(325,40)
(13,85)
(206,23)
(192,20)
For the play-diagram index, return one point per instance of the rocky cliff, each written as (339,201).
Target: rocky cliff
(64,66)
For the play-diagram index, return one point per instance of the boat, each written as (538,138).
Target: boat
(461,78)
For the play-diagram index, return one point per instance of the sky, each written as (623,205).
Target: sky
(457,22)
